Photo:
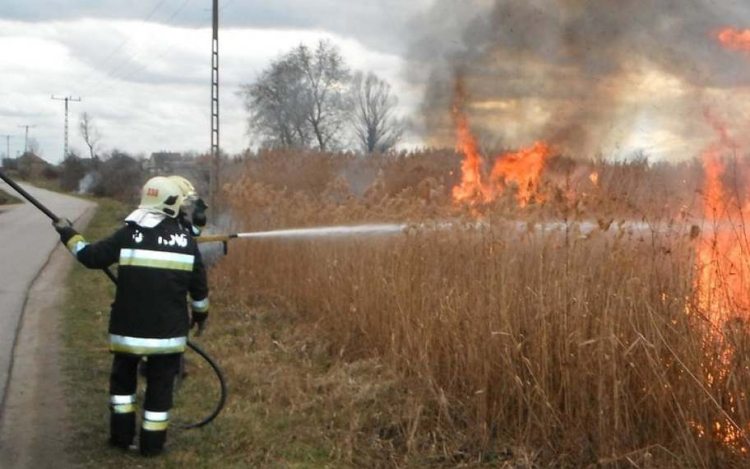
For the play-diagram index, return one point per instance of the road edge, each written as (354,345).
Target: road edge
(80,223)
(15,390)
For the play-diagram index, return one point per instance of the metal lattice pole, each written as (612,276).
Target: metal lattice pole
(215,155)
(66,99)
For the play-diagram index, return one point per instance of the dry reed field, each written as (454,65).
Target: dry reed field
(599,322)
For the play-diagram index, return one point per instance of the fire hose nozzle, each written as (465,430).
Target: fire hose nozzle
(223,238)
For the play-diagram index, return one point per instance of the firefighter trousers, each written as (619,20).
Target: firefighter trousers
(160,376)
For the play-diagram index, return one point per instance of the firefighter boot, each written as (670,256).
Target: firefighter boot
(122,421)
(162,370)
(153,433)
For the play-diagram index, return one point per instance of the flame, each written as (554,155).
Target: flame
(722,287)
(471,188)
(594,178)
(723,262)
(521,169)
(735,39)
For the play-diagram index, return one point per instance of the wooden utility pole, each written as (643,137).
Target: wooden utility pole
(66,99)
(215,155)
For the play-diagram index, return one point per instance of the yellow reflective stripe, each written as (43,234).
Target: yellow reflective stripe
(144,350)
(122,399)
(200,306)
(156,259)
(155,264)
(155,426)
(156,416)
(141,346)
(76,243)
(123,408)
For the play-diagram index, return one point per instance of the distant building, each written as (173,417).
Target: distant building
(29,164)
(168,163)
(163,163)
(9,163)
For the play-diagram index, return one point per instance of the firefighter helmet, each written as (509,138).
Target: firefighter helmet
(186,187)
(161,194)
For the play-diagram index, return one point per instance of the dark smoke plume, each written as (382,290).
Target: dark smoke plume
(583,74)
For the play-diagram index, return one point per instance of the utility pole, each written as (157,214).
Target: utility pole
(215,155)
(7,144)
(26,139)
(66,99)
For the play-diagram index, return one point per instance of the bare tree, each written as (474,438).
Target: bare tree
(325,79)
(372,114)
(274,103)
(90,134)
(300,99)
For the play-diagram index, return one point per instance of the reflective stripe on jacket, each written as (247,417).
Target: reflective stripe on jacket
(159,267)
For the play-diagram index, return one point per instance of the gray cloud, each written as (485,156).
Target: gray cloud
(380,25)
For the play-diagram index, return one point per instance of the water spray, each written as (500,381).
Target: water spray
(318,232)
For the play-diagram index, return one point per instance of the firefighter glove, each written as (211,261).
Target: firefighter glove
(65,229)
(199,319)
(199,213)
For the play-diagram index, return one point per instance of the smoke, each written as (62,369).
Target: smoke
(213,253)
(587,75)
(87,182)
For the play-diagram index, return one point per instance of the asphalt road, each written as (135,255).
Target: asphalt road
(26,243)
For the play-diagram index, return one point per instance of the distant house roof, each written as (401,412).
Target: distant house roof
(165,157)
(163,161)
(30,159)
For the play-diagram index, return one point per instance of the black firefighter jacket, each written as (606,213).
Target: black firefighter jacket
(158,268)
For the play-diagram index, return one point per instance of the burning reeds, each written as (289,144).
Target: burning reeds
(573,326)
(588,311)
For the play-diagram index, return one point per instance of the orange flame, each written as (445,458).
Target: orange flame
(472,167)
(724,264)
(522,168)
(722,284)
(735,39)
(594,178)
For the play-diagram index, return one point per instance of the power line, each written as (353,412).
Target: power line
(179,10)
(129,38)
(100,85)
(125,41)
(226,5)
(144,66)
(164,52)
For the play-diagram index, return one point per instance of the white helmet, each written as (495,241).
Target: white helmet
(186,187)
(161,194)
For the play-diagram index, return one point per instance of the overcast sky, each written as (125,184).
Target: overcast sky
(142,67)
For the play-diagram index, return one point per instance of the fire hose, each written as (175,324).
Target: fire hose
(195,347)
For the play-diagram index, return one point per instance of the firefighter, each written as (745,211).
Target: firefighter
(195,224)
(198,219)
(159,265)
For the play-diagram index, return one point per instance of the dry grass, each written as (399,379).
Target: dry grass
(544,343)
(7,199)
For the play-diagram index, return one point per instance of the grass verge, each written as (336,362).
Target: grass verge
(7,199)
(291,405)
